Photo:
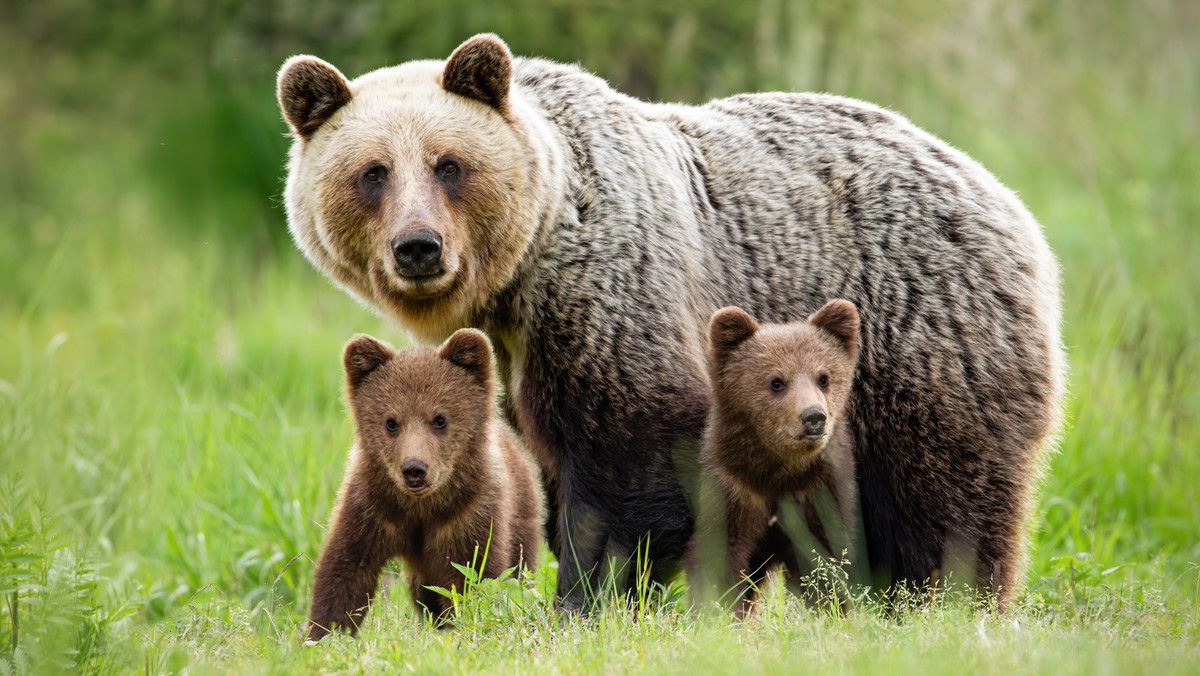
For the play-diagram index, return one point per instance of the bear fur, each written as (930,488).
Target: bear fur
(433,475)
(592,235)
(776,434)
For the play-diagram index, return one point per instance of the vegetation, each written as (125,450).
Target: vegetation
(172,429)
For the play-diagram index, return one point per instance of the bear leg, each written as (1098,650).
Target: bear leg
(584,538)
(347,573)
(431,604)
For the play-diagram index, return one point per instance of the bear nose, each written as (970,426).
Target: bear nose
(418,253)
(814,421)
(414,473)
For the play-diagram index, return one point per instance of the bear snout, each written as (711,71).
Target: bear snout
(814,422)
(418,253)
(414,475)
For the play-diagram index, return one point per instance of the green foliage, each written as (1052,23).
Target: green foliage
(56,613)
(170,386)
(508,626)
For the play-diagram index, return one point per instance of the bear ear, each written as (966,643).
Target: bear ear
(728,328)
(362,355)
(469,349)
(310,91)
(480,69)
(840,318)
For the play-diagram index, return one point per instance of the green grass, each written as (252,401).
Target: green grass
(172,429)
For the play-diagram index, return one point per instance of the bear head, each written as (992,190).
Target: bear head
(789,383)
(423,414)
(413,187)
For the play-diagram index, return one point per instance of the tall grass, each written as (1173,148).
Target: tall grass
(170,388)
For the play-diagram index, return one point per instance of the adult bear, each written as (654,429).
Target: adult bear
(592,235)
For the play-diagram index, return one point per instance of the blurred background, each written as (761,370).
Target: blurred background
(171,420)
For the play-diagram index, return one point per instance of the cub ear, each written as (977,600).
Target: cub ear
(728,328)
(362,355)
(310,91)
(471,350)
(480,69)
(840,318)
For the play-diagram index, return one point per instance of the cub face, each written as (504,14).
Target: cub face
(420,412)
(409,185)
(791,382)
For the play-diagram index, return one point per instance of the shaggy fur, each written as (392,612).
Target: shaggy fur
(593,235)
(759,453)
(433,409)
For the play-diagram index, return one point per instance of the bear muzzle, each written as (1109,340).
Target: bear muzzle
(813,420)
(418,254)
(414,473)
(810,432)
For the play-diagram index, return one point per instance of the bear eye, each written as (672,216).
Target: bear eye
(439,421)
(777,384)
(823,381)
(391,425)
(375,175)
(448,168)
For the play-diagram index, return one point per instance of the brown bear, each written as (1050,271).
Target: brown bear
(433,475)
(777,435)
(591,236)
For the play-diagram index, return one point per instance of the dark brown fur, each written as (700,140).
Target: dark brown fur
(757,458)
(482,490)
(314,93)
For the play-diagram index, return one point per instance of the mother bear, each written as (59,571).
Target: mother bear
(591,235)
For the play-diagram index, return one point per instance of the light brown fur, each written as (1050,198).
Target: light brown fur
(763,461)
(479,489)
(486,226)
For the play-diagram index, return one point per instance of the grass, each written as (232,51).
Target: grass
(505,627)
(172,430)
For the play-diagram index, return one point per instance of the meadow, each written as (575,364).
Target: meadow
(172,423)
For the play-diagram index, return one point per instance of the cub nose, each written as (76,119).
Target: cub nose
(814,421)
(418,253)
(414,472)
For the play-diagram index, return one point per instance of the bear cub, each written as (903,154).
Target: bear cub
(433,474)
(778,454)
